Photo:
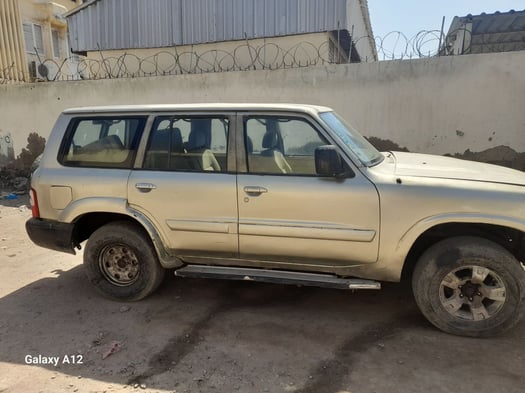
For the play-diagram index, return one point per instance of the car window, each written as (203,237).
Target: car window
(366,152)
(188,144)
(102,142)
(281,145)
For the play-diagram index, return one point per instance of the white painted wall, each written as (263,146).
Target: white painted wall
(363,37)
(439,105)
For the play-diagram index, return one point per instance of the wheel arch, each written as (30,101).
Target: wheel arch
(87,223)
(510,238)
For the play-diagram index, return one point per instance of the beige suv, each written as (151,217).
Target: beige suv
(283,194)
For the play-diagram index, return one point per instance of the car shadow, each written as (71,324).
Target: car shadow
(202,335)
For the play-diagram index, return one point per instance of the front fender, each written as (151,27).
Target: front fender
(394,260)
(407,240)
(393,253)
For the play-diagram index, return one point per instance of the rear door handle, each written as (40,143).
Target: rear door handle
(145,187)
(255,190)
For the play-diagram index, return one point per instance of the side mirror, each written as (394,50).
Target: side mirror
(328,162)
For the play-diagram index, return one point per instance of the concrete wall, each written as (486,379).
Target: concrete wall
(450,105)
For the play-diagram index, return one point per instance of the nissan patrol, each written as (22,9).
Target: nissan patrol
(284,194)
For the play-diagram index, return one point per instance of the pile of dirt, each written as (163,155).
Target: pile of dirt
(499,155)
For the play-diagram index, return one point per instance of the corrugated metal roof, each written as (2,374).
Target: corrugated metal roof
(124,24)
(497,32)
(492,23)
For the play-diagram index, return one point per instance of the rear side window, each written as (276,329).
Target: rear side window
(189,144)
(102,142)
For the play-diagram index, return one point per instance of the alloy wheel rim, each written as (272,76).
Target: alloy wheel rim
(473,293)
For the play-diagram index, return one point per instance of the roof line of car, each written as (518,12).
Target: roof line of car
(197,107)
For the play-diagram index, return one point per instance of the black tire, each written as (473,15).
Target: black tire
(475,307)
(121,263)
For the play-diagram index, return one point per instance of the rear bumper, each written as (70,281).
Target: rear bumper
(54,235)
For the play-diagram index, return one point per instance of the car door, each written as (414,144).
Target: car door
(186,185)
(287,213)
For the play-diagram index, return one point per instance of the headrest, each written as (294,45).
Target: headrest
(197,139)
(270,140)
(161,140)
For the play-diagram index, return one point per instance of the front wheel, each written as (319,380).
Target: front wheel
(121,262)
(470,287)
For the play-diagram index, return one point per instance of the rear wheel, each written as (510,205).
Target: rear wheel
(469,286)
(121,262)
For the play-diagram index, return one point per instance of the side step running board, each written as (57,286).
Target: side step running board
(275,277)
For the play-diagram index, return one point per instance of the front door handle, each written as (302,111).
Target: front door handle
(145,187)
(255,190)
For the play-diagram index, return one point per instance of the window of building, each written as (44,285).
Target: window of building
(33,37)
(55,37)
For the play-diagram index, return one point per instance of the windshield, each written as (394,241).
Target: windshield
(367,153)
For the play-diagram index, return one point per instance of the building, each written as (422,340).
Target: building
(31,32)
(497,32)
(221,34)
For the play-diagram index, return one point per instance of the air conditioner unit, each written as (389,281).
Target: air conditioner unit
(32,70)
(38,71)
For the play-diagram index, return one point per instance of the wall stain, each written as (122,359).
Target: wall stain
(7,153)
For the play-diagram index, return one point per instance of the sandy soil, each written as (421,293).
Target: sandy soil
(219,336)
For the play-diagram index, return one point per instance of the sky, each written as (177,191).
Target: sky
(412,16)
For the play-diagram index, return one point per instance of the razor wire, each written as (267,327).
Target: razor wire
(246,56)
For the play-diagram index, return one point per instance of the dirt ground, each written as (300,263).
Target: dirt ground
(219,336)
